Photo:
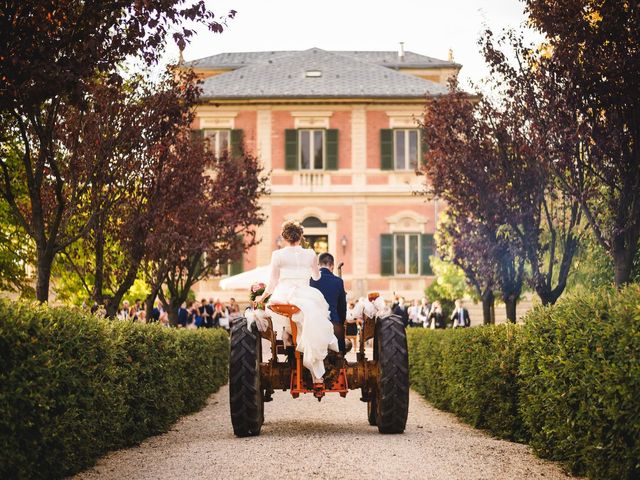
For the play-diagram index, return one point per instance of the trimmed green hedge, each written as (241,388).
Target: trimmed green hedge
(567,381)
(471,372)
(73,387)
(580,382)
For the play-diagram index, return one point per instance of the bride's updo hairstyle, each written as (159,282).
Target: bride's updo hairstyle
(292,231)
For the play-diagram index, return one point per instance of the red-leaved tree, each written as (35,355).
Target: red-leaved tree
(206,225)
(133,130)
(593,70)
(50,55)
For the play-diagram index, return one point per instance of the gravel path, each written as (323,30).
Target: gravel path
(331,439)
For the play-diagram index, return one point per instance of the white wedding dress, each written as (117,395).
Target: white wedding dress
(291,270)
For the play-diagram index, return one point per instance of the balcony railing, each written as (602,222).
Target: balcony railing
(312,179)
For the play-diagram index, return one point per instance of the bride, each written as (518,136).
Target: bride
(291,269)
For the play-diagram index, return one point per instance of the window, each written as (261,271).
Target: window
(406,253)
(217,141)
(313,222)
(311,149)
(405,149)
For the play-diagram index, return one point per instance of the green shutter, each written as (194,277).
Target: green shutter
(386,254)
(386,149)
(427,246)
(291,149)
(237,143)
(423,148)
(237,266)
(331,136)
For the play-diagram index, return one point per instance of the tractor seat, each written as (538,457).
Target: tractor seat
(284,309)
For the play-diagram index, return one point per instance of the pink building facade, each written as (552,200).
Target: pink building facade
(338,132)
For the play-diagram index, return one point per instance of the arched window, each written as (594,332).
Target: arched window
(313,222)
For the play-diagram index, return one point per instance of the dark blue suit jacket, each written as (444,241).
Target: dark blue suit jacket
(332,287)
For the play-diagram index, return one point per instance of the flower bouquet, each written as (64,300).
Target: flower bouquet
(258,314)
(257,289)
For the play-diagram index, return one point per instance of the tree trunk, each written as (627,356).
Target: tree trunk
(488,299)
(173,311)
(148,305)
(44,263)
(510,304)
(622,261)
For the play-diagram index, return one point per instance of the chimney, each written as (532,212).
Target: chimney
(451,55)
(401,52)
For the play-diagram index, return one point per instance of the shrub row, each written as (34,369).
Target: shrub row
(73,387)
(567,381)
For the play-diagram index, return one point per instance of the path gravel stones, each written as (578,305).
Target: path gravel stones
(332,439)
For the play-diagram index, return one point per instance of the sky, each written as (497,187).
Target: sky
(426,27)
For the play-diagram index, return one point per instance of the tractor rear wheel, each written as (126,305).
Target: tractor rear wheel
(392,389)
(245,389)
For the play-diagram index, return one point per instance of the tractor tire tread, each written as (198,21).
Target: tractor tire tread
(245,393)
(393,388)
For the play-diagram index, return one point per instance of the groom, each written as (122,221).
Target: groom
(332,288)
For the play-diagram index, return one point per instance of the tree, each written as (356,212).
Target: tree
(50,54)
(208,225)
(496,171)
(594,70)
(133,130)
(462,165)
(465,244)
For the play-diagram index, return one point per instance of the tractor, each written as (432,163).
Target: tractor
(382,380)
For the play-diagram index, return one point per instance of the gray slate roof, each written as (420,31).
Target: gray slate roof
(283,75)
(384,58)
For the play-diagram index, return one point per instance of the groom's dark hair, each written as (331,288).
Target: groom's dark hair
(326,259)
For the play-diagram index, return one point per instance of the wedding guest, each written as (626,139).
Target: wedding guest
(123,314)
(142,316)
(209,319)
(400,309)
(202,310)
(219,312)
(414,314)
(351,332)
(164,319)
(135,310)
(155,313)
(436,317)
(191,317)
(194,315)
(234,308)
(183,315)
(424,312)
(460,316)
